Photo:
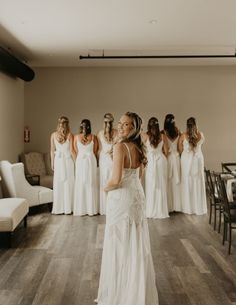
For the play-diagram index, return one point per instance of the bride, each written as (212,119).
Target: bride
(127,273)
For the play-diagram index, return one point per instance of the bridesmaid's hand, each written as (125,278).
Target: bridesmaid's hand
(106,189)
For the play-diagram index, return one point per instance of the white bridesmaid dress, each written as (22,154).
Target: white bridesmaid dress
(86,194)
(127,273)
(156,182)
(193,181)
(174,177)
(105,171)
(63,180)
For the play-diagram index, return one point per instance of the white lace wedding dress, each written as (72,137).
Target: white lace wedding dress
(127,273)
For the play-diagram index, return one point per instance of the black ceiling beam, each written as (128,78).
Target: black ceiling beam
(10,65)
(155,56)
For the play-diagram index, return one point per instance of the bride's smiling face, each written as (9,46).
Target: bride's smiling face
(125,126)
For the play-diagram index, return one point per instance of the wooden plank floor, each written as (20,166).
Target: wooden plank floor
(56,261)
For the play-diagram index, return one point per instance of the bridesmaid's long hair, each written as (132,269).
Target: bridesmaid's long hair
(108,126)
(63,129)
(85,127)
(169,127)
(135,136)
(153,131)
(192,132)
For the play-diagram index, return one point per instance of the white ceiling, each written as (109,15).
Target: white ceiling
(57,32)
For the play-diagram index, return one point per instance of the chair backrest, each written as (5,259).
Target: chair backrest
(228,167)
(9,189)
(208,184)
(1,193)
(34,163)
(211,186)
(15,184)
(220,183)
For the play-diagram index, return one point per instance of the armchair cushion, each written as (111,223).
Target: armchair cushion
(44,194)
(12,212)
(46,181)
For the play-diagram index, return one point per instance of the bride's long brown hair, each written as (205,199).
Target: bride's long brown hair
(135,136)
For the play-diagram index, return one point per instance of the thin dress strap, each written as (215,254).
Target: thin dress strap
(130,161)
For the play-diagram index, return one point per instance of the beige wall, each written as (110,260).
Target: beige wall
(11,117)
(208,93)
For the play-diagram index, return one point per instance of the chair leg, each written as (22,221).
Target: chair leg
(230,231)
(210,212)
(9,239)
(25,221)
(215,211)
(224,232)
(50,207)
(220,216)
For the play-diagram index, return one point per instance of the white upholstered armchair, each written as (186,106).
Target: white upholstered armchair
(16,185)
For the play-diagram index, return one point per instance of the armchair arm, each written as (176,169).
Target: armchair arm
(33,179)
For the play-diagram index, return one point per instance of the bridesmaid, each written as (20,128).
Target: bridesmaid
(63,166)
(192,169)
(106,138)
(173,186)
(85,146)
(156,171)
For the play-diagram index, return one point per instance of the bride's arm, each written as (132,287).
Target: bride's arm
(117,167)
(141,171)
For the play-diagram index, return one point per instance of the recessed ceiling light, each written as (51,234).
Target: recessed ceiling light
(153,21)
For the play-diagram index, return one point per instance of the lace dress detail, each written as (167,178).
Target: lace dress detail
(127,273)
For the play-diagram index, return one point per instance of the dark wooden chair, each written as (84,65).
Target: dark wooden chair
(229,210)
(214,200)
